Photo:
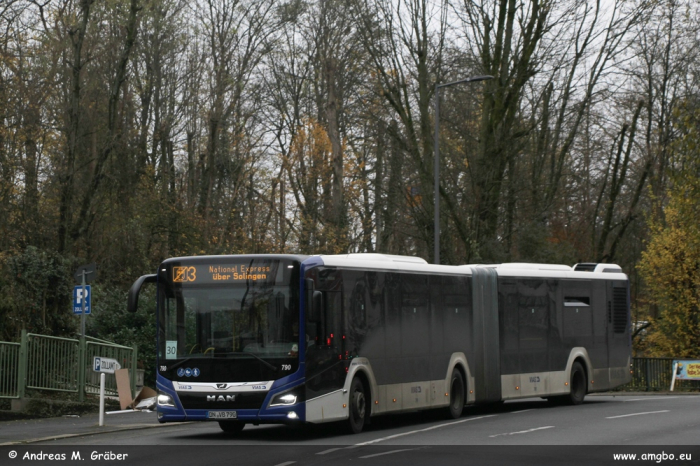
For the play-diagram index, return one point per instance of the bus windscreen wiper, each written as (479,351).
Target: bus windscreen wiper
(180,363)
(271,366)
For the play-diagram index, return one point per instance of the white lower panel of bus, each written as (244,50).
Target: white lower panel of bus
(610,377)
(390,398)
(557,382)
(418,395)
(387,398)
(410,396)
(535,384)
(329,407)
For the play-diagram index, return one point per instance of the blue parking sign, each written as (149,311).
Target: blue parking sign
(78,299)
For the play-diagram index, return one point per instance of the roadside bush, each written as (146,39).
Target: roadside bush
(110,321)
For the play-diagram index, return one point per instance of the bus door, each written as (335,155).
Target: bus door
(325,366)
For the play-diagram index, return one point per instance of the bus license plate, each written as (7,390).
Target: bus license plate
(222,415)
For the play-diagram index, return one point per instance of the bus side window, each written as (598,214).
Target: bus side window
(508,325)
(311,334)
(356,306)
(392,316)
(334,317)
(456,313)
(415,319)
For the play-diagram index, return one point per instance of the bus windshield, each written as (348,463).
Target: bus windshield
(253,320)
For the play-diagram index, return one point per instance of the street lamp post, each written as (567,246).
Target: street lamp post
(436,152)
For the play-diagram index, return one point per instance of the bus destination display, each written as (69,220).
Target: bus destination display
(221,273)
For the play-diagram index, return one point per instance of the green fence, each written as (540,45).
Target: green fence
(9,376)
(125,356)
(52,363)
(41,362)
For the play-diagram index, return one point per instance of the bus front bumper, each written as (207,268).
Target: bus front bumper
(280,415)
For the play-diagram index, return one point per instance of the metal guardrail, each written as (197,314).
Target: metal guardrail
(654,374)
(42,362)
(9,375)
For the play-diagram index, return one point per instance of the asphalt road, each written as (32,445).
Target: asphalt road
(521,432)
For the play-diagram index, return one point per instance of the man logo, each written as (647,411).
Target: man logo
(221,398)
(221,386)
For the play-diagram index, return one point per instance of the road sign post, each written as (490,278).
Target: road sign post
(104,366)
(102,399)
(82,313)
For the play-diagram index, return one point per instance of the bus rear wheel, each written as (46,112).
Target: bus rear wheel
(456,395)
(231,427)
(358,406)
(578,385)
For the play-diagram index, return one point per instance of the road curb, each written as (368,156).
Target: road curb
(99,430)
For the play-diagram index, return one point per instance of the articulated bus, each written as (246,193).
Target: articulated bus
(311,339)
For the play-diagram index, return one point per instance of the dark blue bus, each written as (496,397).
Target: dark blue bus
(309,339)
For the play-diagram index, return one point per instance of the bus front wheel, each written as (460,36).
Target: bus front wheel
(231,427)
(358,406)
(456,395)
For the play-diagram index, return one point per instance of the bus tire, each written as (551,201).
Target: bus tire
(457,392)
(359,409)
(577,384)
(231,427)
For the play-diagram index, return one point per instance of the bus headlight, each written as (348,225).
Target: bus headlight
(284,399)
(289,397)
(166,400)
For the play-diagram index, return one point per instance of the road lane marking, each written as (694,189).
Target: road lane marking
(523,431)
(421,430)
(638,414)
(385,453)
(523,411)
(325,452)
(286,463)
(650,399)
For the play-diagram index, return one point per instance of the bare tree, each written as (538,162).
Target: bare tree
(405,42)
(237,36)
(551,55)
